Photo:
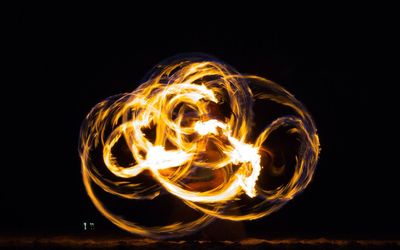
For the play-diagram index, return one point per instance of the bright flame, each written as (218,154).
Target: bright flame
(172,125)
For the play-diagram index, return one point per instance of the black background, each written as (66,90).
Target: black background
(67,59)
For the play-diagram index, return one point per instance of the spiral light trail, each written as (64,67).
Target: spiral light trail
(191,127)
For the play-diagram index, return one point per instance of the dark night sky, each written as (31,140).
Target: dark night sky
(67,59)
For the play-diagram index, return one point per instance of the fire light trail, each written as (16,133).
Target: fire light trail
(194,114)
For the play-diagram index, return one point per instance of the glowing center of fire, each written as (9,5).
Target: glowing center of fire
(191,121)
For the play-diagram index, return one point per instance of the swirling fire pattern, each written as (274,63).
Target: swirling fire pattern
(190,127)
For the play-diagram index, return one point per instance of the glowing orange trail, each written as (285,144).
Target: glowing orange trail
(173,124)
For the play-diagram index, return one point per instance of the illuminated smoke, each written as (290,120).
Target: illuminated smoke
(199,114)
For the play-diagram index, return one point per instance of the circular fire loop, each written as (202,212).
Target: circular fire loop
(191,127)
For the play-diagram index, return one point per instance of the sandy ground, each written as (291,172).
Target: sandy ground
(107,242)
